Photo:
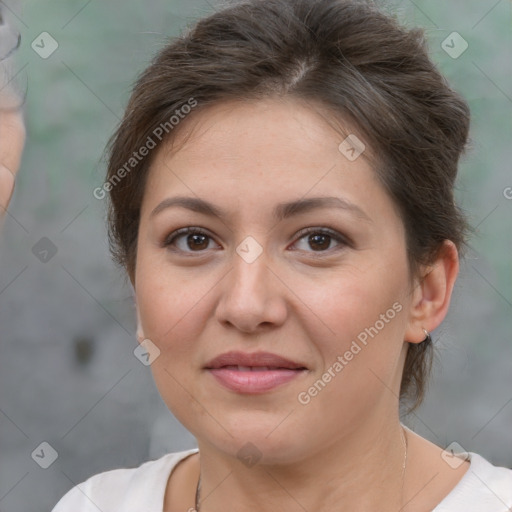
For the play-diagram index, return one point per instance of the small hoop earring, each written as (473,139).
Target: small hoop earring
(428,338)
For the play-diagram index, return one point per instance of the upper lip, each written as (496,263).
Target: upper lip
(254,359)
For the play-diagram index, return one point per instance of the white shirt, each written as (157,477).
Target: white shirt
(483,488)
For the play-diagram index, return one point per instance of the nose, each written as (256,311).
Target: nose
(252,296)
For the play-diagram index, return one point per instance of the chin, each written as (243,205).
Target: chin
(257,439)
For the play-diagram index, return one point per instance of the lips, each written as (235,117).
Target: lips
(252,368)
(256,360)
(253,373)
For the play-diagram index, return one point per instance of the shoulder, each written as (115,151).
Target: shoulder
(484,487)
(144,485)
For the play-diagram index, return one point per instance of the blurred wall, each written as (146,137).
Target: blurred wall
(68,375)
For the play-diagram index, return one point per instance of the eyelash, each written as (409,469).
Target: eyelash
(343,241)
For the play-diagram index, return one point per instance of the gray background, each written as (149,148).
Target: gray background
(68,375)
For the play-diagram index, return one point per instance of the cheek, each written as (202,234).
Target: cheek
(359,359)
(363,318)
(173,315)
(169,298)
(353,299)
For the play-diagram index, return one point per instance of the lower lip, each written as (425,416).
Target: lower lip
(254,381)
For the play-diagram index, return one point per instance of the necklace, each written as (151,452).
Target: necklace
(404,465)
(197,493)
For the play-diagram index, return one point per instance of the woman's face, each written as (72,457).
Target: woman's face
(324,286)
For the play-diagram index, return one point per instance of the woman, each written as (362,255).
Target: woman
(281,197)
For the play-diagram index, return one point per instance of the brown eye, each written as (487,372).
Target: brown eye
(320,239)
(188,240)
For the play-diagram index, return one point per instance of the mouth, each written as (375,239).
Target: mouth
(256,360)
(255,368)
(254,373)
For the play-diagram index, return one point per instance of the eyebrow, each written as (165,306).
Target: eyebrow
(281,211)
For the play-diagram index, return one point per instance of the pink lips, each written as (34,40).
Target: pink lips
(253,373)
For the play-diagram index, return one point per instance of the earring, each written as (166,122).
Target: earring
(428,338)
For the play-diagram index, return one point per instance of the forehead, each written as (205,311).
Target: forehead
(281,124)
(272,145)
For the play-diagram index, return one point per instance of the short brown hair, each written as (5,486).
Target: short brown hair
(346,55)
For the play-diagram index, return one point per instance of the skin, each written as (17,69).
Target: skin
(297,300)
(12,140)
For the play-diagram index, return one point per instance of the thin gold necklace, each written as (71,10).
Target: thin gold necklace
(404,465)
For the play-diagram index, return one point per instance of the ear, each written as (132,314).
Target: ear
(432,293)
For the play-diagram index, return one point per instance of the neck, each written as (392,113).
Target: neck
(361,471)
